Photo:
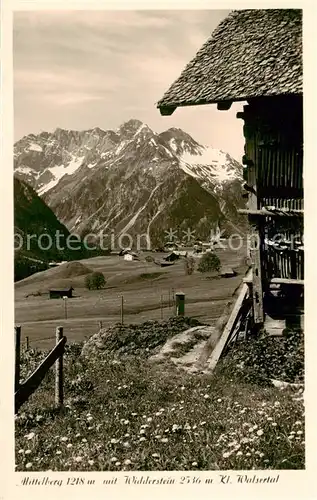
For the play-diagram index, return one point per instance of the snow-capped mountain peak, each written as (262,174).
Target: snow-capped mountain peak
(94,177)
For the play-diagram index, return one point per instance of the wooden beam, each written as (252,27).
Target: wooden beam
(286,281)
(276,281)
(167,110)
(231,323)
(31,384)
(279,212)
(224,105)
(224,326)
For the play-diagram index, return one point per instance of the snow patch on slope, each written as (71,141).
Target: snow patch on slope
(59,171)
(209,162)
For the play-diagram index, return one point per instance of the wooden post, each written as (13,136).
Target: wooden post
(17,357)
(59,396)
(180,303)
(27,344)
(121,309)
(161,306)
(100,325)
(256,235)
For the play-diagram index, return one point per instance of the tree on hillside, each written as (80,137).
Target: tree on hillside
(189,265)
(209,262)
(95,281)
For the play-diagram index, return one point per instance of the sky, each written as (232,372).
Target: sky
(83,69)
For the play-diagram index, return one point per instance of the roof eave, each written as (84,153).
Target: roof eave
(222,104)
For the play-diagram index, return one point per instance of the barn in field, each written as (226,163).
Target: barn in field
(255,57)
(59,293)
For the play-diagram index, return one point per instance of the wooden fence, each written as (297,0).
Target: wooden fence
(24,390)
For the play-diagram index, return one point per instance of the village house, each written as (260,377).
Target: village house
(255,56)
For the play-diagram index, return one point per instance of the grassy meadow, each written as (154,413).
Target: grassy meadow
(126,411)
(141,283)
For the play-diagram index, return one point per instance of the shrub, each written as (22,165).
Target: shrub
(209,262)
(189,265)
(95,281)
(149,258)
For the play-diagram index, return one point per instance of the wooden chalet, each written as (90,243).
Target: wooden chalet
(255,56)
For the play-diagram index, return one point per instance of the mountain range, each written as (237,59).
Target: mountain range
(132,180)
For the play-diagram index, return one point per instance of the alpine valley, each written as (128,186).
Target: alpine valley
(132,180)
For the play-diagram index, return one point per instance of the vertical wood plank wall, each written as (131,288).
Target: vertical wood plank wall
(273,131)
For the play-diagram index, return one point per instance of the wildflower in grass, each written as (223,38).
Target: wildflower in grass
(21,451)
(182,388)
(84,440)
(158,436)
(126,444)
(155,455)
(203,423)
(39,418)
(77,435)
(91,462)
(164,440)
(113,459)
(299,432)
(117,464)
(274,424)
(127,435)
(58,452)
(127,462)
(134,414)
(226,454)
(64,439)
(187,426)
(149,419)
(78,459)
(277,403)
(69,445)
(114,441)
(260,432)
(206,396)
(248,454)
(27,452)
(219,400)
(126,422)
(298,422)
(89,419)
(30,436)
(269,419)
(158,414)
(239,453)
(142,431)
(29,465)
(142,439)
(291,436)
(194,464)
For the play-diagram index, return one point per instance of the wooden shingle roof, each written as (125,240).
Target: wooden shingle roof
(251,53)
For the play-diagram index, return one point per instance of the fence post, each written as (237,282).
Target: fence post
(161,306)
(59,396)
(100,325)
(17,340)
(180,303)
(27,344)
(121,309)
